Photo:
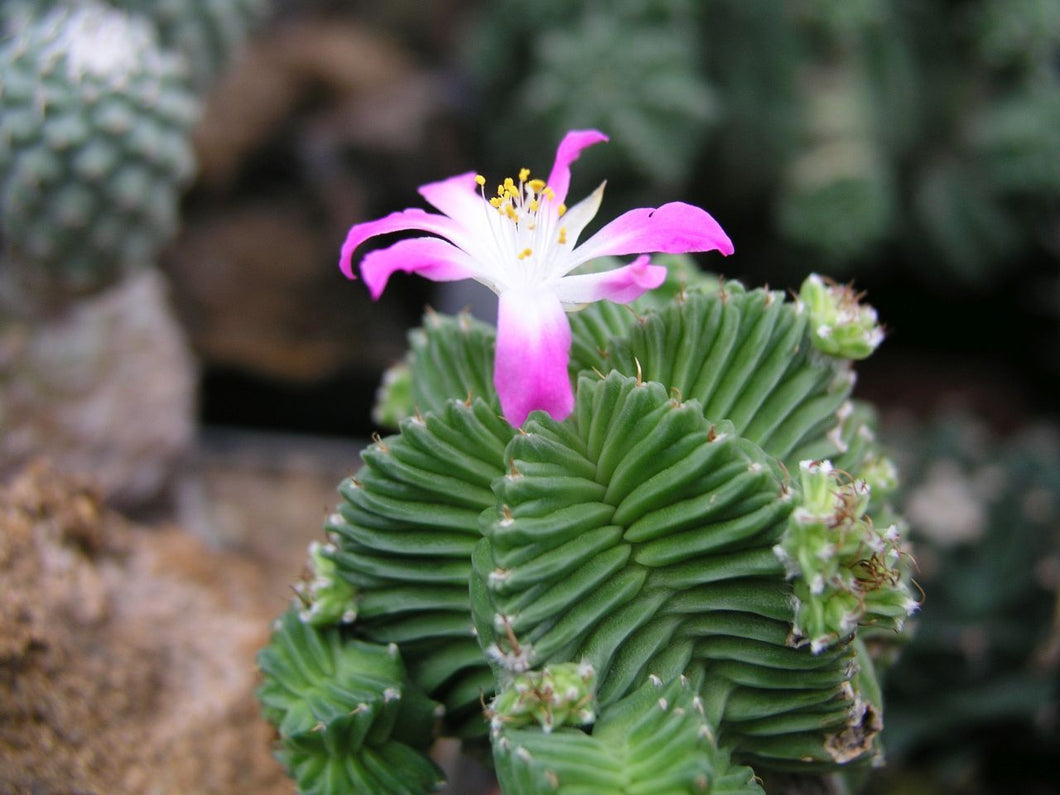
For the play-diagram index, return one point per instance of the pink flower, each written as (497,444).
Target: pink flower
(522,243)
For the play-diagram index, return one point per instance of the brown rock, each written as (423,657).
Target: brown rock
(107,387)
(127,655)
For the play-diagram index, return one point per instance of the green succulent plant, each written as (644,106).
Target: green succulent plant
(94,146)
(97,104)
(664,592)
(207,32)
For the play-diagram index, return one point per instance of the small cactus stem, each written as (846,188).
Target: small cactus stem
(844,571)
(840,325)
(881,475)
(562,694)
(324,597)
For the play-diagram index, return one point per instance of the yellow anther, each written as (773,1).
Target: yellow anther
(563,235)
(496,201)
(525,253)
(509,183)
(562,210)
(480,180)
(537,185)
(534,206)
(524,174)
(511,213)
(549,193)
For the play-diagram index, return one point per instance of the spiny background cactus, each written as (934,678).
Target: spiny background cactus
(94,146)
(658,594)
(207,32)
(96,109)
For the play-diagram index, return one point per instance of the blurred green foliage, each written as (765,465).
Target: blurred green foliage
(859,132)
(972,699)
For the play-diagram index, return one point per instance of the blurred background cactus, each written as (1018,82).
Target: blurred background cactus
(975,690)
(852,133)
(655,601)
(96,145)
(99,100)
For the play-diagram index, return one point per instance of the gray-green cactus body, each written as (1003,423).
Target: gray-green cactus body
(94,146)
(647,538)
(206,33)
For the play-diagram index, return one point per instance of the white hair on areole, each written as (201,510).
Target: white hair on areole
(98,40)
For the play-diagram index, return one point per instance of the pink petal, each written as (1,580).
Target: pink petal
(620,285)
(458,197)
(674,228)
(396,222)
(569,148)
(429,257)
(533,349)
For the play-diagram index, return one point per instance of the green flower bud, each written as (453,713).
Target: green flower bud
(839,324)
(325,597)
(562,694)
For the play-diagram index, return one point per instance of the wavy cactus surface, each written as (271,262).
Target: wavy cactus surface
(644,593)
(94,146)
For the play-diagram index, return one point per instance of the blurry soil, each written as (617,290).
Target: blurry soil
(127,649)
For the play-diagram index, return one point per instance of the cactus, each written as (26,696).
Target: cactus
(94,146)
(96,110)
(664,592)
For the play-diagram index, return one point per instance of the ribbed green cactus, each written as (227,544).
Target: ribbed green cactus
(648,596)
(351,720)
(94,147)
